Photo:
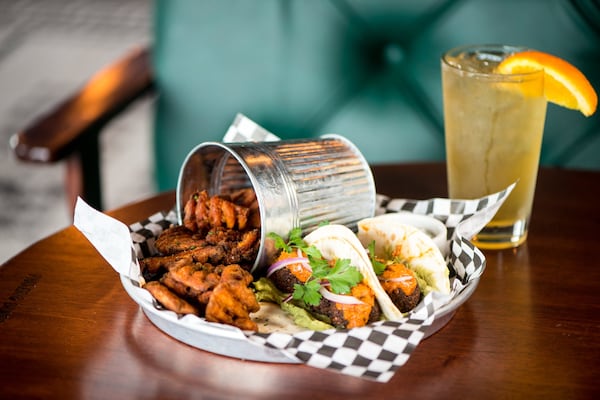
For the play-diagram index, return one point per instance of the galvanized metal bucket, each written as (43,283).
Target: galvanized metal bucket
(298,183)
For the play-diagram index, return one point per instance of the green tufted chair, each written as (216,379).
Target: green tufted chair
(366,69)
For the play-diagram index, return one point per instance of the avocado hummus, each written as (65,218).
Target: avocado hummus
(266,291)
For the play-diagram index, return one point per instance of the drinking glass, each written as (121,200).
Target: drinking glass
(493,129)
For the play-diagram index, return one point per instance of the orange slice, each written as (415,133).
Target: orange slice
(564,84)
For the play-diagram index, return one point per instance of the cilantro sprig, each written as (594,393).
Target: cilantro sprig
(340,277)
(378,266)
(295,241)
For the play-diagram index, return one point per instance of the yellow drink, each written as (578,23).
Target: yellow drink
(493,127)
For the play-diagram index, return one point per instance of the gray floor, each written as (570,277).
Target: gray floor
(48,49)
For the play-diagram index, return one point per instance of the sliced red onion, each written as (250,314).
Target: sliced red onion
(339,298)
(403,278)
(288,261)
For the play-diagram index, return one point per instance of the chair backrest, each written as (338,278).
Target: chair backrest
(368,70)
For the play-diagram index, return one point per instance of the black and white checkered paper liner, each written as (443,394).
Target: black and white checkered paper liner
(376,351)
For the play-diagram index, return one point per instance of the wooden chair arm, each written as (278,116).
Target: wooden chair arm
(55,135)
(71,131)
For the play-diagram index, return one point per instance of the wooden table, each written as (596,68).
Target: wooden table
(531,329)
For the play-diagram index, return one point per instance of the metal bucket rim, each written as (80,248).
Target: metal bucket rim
(227,148)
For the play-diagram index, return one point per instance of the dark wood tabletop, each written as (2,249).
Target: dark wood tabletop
(531,329)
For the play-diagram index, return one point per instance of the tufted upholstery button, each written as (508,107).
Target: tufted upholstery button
(393,54)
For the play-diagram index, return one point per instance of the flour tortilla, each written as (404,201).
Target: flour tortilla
(413,246)
(339,242)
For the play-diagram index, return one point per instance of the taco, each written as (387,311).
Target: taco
(329,275)
(393,243)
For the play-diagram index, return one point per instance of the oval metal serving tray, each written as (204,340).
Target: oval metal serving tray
(230,341)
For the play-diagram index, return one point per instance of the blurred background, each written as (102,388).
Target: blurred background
(343,66)
(48,49)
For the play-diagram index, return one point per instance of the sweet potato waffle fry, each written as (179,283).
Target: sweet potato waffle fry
(203,266)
